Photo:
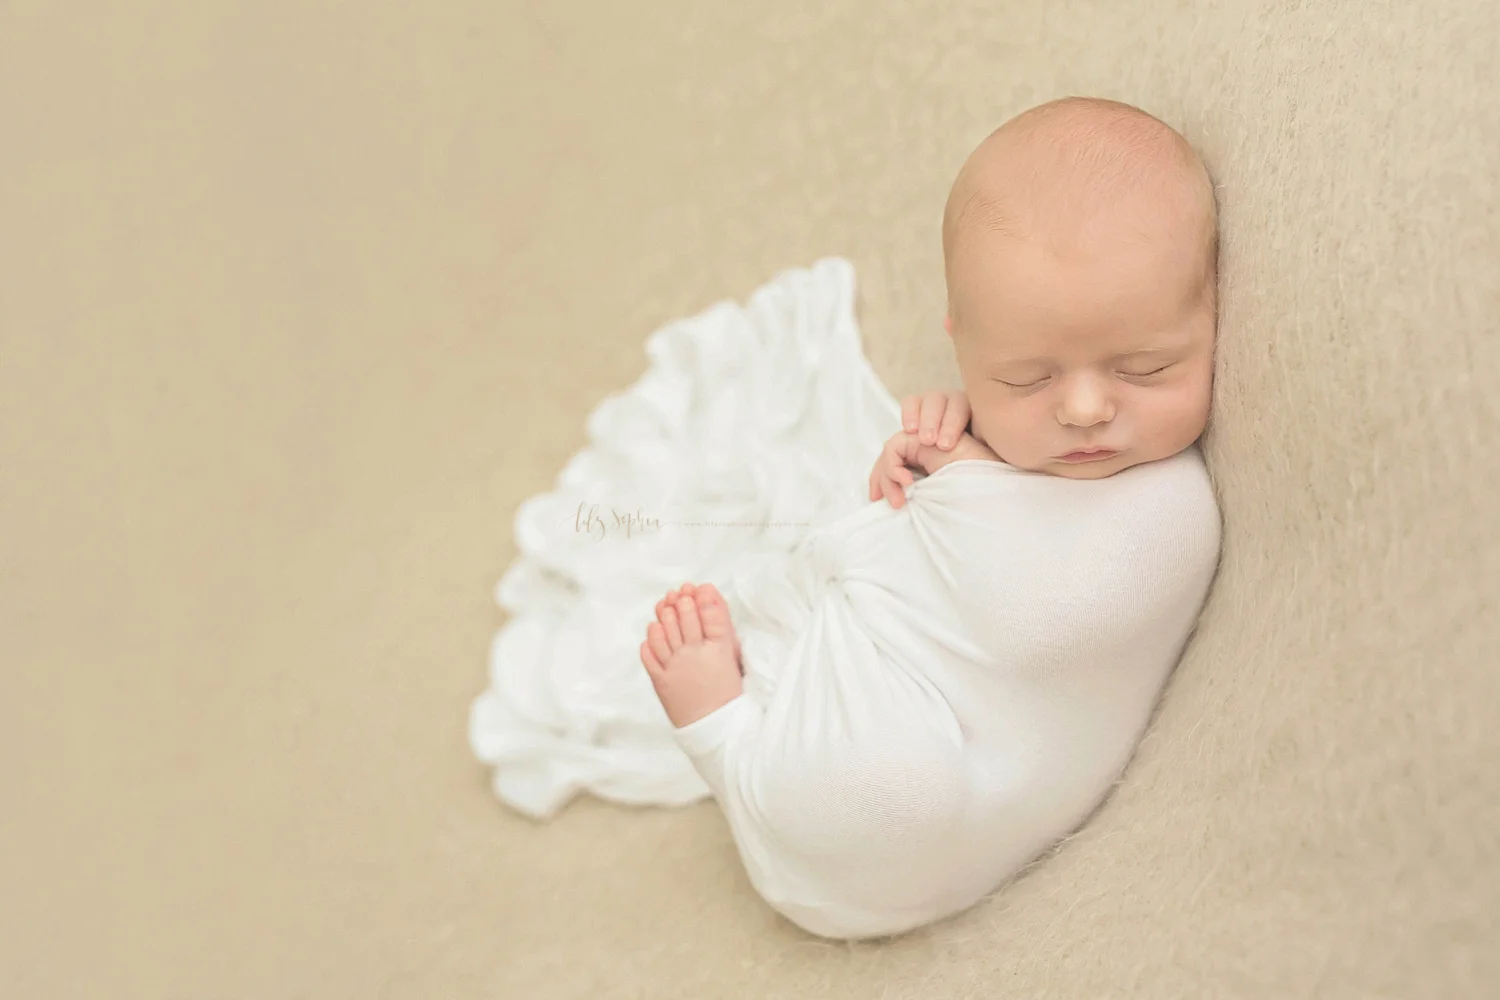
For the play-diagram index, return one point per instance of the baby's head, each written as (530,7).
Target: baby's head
(1080,244)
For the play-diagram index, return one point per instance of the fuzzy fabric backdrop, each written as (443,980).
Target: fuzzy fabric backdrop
(299,301)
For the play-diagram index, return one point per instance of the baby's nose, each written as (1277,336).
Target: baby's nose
(1085,404)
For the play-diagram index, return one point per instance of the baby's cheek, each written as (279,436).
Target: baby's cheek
(1014,426)
(1014,437)
(1179,416)
(1199,396)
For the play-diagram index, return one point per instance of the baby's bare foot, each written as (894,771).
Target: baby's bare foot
(691,654)
(711,594)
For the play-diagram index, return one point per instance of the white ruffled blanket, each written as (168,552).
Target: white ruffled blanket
(934,695)
(753,424)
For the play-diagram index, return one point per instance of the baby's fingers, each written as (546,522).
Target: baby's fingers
(895,495)
(933,405)
(955,421)
(887,463)
(890,477)
(901,451)
(900,474)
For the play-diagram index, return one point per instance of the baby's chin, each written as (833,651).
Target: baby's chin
(1089,470)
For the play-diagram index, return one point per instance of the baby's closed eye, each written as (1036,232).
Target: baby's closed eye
(1137,372)
(1151,373)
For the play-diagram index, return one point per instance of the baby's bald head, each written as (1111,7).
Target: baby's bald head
(1079,244)
(1078,171)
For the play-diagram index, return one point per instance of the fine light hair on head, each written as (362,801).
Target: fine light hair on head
(1085,154)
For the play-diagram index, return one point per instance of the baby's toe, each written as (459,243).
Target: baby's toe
(649,660)
(669,601)
(687,614)
(714,615)
(656,640)
(672,628)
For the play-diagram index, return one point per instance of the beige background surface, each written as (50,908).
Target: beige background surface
(298,301)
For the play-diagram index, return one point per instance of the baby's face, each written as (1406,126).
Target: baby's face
(1065,349)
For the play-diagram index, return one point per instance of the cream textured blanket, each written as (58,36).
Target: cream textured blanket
(934,695)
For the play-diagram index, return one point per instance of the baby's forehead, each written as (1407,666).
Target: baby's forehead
(1051,346)
(1068,193)
(1018,301)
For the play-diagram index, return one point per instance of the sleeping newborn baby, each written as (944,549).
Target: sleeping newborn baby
(951,678)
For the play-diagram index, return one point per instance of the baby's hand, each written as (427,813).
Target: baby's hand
(936,417)
(904,452)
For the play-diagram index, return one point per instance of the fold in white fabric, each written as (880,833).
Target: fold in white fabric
(934,695)
(752,425)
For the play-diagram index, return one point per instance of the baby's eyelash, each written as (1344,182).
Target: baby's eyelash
(1041,381)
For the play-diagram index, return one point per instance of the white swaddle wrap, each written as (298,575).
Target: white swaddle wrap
(934,695)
